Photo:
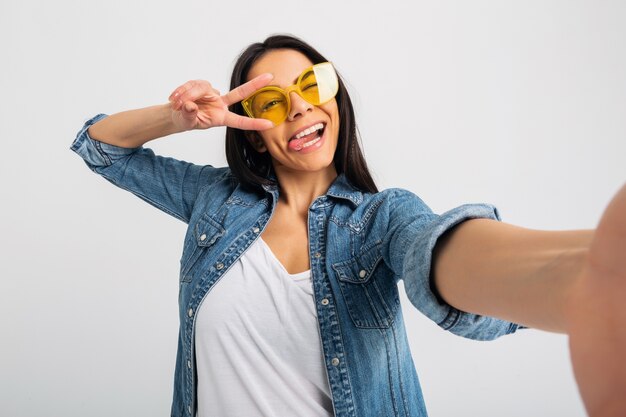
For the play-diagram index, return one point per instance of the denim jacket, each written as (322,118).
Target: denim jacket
(360,245)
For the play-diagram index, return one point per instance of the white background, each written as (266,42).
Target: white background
(518,104)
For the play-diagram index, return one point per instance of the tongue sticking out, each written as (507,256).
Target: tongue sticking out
(296,144)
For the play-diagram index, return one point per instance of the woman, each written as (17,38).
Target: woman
(308,321)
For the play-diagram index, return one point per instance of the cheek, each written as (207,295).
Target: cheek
(336,121)
(272,137)
(333,112)
(275,144)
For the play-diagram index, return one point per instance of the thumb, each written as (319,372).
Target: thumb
(190,107)
(189,110)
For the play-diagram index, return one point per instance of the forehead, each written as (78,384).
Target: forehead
(285,64)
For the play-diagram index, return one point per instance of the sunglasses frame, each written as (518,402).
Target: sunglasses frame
(247,102)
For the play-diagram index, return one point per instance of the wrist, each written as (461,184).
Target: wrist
(167,116)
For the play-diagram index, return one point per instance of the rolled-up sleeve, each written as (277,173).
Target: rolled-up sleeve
(412,235)
(97,154)
(168,184)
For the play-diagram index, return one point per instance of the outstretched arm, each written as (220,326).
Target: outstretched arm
(521,275)
(571,282)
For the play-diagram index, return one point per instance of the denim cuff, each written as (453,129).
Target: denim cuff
(96,153)
(423,290)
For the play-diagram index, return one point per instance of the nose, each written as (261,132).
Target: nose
(299,106)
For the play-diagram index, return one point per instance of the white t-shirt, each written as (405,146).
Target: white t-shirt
(258,347)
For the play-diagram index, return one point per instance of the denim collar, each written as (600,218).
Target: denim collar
(340,188)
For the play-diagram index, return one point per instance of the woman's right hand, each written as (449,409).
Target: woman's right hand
(197,105)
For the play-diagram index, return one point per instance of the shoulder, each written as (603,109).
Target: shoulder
(396,200)
(381,210)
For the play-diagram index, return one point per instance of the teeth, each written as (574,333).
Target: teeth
(309,143)
(314,141)
(309,130)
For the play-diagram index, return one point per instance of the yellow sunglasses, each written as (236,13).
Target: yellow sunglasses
(317,85)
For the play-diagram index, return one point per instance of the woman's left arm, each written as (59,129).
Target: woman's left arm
(572,282)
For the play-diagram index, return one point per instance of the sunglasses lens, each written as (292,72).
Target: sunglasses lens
(319,84)
(269,104)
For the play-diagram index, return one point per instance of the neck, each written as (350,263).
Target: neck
(298,189)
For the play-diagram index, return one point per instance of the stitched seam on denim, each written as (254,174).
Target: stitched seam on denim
(358,226)
(349,404)
(210,222)
(321,202)
(455,321)
(195,257)
(443,322)
(385,306)
(182,195)
(241,202)
(379,321)
(389,371)
(105,156)
(348,401)
(348,300)
(400,381)
(347,264)
(369,213)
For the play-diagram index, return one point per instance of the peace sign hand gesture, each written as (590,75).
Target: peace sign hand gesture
(197,105)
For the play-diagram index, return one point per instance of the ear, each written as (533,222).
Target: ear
(255,140)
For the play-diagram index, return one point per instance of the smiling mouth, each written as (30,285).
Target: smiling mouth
(307,132)
(307,137)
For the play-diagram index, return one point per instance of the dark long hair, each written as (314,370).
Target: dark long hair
(251,167)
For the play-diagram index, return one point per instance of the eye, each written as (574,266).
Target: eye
(309,86)
(267,106)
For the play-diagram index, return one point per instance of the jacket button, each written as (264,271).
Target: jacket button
(324,301)
(189,364)
(219,265)
(203,236)
(189,408)
(190,312)
(317,254)
(256,230)
(335,361)
(362,273)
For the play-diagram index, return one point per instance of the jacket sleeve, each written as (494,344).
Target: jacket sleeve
(169,184)
(411,237)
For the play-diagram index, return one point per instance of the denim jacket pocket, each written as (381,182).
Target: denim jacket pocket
(203,236)
(368,288)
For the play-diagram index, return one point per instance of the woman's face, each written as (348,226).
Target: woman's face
(316,151)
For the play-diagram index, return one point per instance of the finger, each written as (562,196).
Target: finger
(246,123)
(179,90)
(190,107)
(192,91)
(244,90)
(204,91)
(174,98)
